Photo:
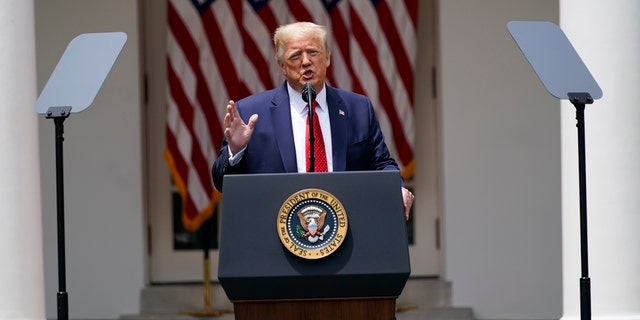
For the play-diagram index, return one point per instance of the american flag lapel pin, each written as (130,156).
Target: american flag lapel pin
(341,112)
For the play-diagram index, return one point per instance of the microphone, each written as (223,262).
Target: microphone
(309,95)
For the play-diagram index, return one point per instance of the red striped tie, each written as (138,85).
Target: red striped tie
(320,163)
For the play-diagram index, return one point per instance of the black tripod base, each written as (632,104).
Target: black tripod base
(585,298)
(63,306)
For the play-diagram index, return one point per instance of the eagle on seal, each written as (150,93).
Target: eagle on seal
(312,220)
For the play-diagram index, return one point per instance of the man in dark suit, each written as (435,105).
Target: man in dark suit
(348,128)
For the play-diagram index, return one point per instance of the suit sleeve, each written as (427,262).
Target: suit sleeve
(379,153)
(221,166)
(380,158)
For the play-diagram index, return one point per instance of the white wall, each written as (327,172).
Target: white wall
(501,165)
(103,151)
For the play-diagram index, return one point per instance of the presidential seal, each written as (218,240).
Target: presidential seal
(312,224)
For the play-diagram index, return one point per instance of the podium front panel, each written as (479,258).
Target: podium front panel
(373,260)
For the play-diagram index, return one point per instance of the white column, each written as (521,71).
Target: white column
(21,269)
(606,35)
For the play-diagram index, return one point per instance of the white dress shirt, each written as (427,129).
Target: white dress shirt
(299,114)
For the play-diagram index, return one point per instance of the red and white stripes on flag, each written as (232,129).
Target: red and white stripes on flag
(219,50)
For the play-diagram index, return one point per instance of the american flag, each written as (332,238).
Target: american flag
(219,50)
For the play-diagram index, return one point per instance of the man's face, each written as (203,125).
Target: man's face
(305,60)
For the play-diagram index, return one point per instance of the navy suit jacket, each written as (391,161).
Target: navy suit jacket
(357,141)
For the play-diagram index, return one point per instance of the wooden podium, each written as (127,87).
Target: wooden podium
(361,279)
(335,309)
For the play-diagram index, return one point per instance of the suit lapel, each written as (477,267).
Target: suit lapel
(281,121)
(339,125)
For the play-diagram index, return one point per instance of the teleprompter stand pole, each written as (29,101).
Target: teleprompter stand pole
(73,85)
(565,76)
(579,100)
(59,114)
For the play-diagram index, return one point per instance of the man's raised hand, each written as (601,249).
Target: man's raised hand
(236,131)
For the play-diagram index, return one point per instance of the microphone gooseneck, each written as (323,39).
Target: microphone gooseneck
(309,95)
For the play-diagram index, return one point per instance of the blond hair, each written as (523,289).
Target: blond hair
(287,32)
